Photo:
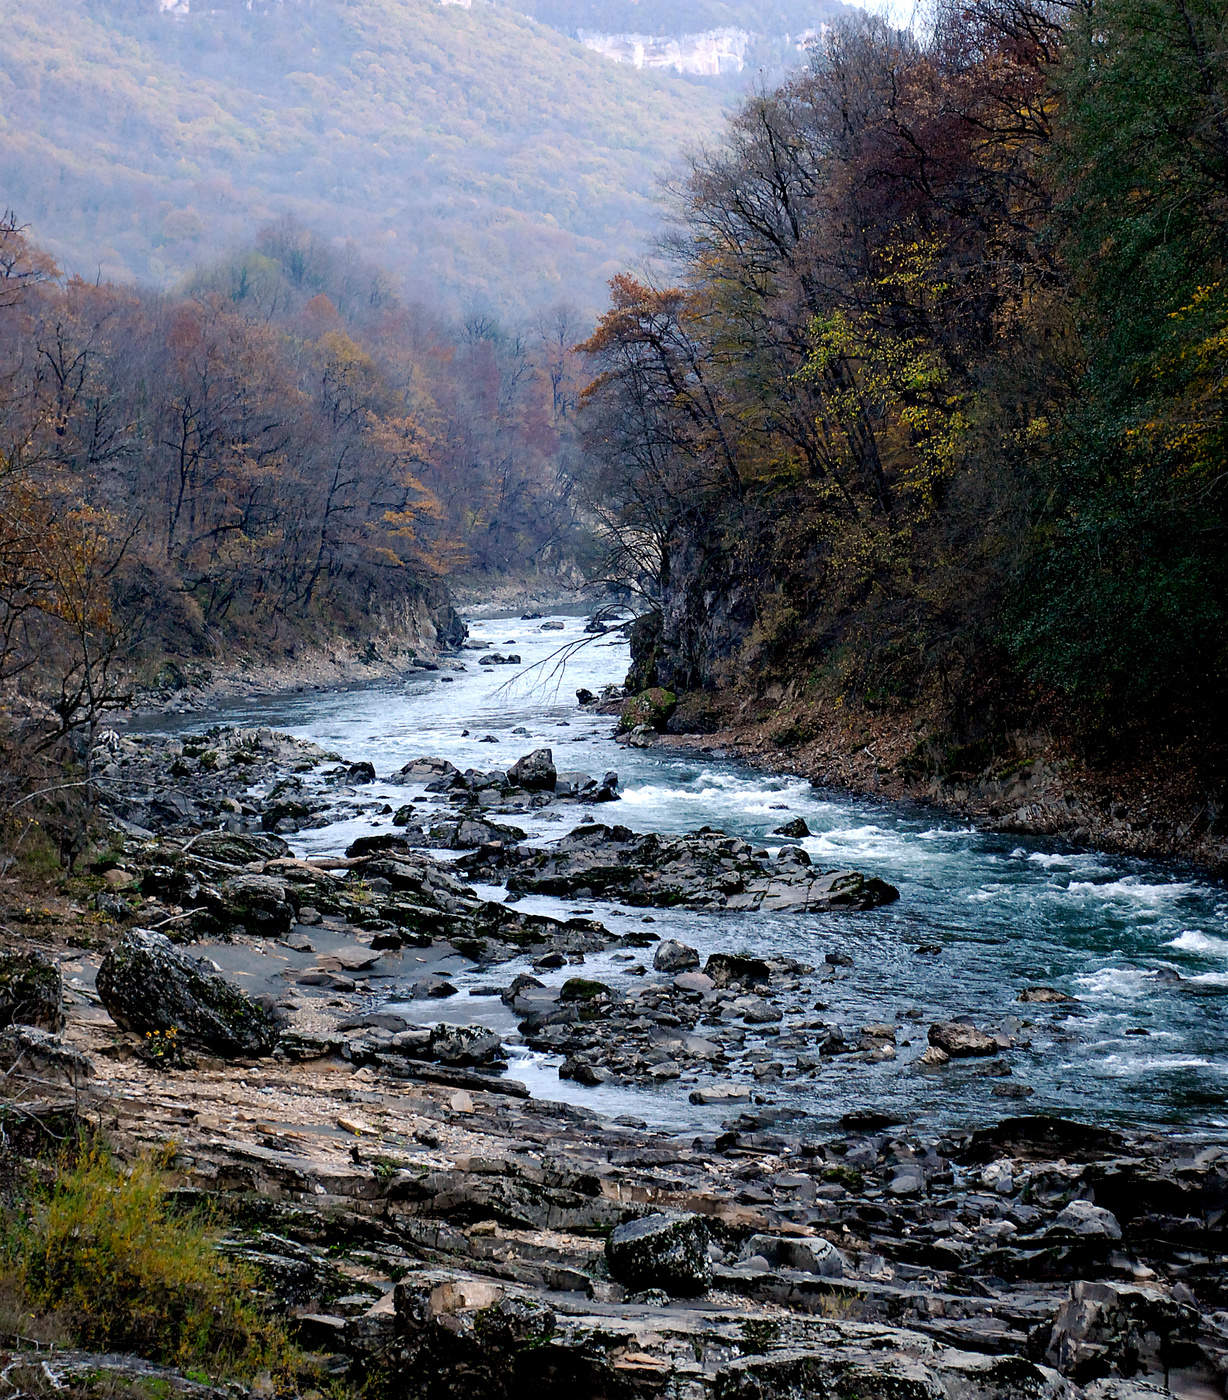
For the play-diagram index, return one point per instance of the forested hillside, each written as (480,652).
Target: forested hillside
(486,159)
(932,420)
(283,454)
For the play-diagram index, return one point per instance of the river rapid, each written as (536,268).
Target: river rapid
(1143,947)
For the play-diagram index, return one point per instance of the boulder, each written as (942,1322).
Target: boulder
(809,1254)
(672,956)
(1086,1221)
(583,989)
(720,1094)
(730,969)
(796,828)
(705,869)
(35,1052)
(464,1045)
(1046,996)
(535,772)
(1117,1329)
(650,709)
(257,904)
(958,1039)
(235,848)
(147,984)
(669,1252)
(31,991)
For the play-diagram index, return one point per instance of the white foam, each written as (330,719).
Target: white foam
(986,893)
(1049,862)
(1191,941)
(1125,982)
(1131,890)
(1210,979)
(1150,1064)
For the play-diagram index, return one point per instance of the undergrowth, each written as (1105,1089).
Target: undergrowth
(98,1257)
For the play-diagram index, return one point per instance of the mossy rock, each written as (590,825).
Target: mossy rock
(31,992)
(652,708)
(582,989)
(147,984)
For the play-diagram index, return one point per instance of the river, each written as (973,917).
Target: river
(1144,947)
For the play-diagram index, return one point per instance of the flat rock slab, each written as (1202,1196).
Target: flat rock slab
(704,869)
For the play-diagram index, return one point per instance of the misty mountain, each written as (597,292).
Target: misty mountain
(488,158)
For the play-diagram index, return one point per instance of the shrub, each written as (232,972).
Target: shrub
(101,1250)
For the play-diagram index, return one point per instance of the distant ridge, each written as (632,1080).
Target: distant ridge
(486,158)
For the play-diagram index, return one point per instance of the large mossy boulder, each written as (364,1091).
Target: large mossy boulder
(31,991)
(147,984)
(650,709)
(669,1252)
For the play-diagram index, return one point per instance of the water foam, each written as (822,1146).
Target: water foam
(1131,890)
(1191,941)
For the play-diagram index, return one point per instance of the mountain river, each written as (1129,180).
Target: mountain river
(1144,947)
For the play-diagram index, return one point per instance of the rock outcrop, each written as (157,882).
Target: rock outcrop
(703,870)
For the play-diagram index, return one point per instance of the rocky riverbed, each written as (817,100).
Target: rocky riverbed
(294,1027)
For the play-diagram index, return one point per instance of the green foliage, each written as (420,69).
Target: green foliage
(1124,597)
(936,411)
(102,1251)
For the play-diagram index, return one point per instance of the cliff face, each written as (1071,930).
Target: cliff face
(707,55)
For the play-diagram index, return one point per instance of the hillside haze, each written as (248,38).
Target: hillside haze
(489,159)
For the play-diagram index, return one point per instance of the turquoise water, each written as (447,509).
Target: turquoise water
(1143,946)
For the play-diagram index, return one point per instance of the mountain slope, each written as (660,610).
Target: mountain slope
(480,154)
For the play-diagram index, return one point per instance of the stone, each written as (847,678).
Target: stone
(535,772)
(235,848)
(650,709)
(796,829)
(464,1045)
(1087,1221)
(694,983)
(35,1052)
(730,969)
(720,1094)
(583,989)
(1109,1328)
(672,956)
(1046,996)
(958,1039)
(705,869)
(809,1254)
(31,991)
(669,1252)
(934,1057)
(257,904)
(147,984)
(755,1011)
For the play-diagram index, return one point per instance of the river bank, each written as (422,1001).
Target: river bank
(1161,809)
(952,1129)
(371,1149)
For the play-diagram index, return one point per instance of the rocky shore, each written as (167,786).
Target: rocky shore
(1162,809)
(433,1230)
